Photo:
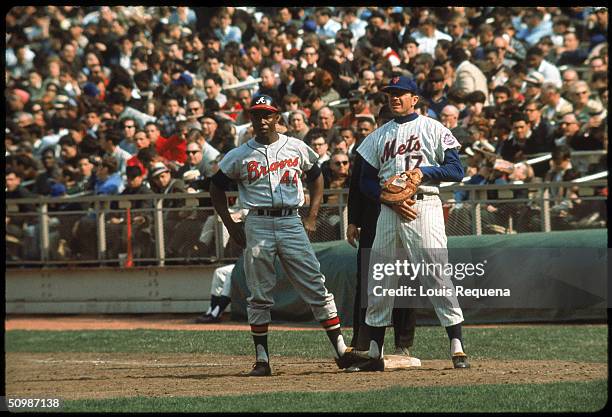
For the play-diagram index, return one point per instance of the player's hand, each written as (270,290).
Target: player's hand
(405,210)
(310,224)
(236,231)
(352,234)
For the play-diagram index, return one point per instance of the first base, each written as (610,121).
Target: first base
(400,362)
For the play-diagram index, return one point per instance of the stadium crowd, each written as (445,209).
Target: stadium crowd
(137,100)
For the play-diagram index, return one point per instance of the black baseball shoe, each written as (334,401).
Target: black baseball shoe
(261,369)
(208,318)
(369,365)
(349,358)
(460,361)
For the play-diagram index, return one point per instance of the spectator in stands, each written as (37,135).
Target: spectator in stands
(108,179)
(428,36)
(210,156)
(86,171)
(167,121)
(542,132)
(121,110)
(225,31)
(571,53)
(51,174)
(584,105)
(449,117)
(468,77)
(110,145)
(435,90)
(316,138)
(533,86)
(298,124)
(536,27)
(366,124)
(224,139)
(69,152)
(535,61)
(350,137)
(555,105)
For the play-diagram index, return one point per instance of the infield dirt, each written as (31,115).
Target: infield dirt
(106,375)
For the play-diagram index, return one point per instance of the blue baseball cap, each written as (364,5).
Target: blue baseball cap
(402,83)
(263,102)
(183,79)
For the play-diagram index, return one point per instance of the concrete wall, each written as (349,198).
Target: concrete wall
(171,289)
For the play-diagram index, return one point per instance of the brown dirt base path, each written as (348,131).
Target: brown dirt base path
(104,375)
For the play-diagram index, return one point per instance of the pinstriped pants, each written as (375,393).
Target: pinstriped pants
(427,231)
(285,237)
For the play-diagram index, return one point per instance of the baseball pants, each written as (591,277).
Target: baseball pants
(285,237)
(404,319)
(222,281)
(427,231)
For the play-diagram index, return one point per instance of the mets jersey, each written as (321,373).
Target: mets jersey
(269,175)
(394,148)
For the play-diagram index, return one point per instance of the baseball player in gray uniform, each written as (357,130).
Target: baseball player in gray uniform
(410,142)
(268,170)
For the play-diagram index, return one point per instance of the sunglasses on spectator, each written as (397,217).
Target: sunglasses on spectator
(339,163)
(315,145)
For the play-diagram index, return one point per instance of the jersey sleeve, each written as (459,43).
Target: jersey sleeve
(445,140)
(308,156)
(231,164)
(368,149)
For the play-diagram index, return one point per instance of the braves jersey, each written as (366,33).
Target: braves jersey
(395,148)
(269,175)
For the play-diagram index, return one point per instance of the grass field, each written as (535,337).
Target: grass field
(558,342)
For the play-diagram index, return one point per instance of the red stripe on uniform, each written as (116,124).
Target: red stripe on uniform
(331,322)
(262,328)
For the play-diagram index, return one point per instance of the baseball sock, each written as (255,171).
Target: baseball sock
(377,335)
(454,335)
(332,328)
(214,301)
(260,338)
(222,302)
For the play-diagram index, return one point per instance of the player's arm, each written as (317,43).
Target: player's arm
(450,169)
(370,186)
(219,184)
(368,182)
(314,182)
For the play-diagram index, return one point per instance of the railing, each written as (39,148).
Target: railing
(91,233)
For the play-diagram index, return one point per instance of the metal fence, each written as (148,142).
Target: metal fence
(182,229)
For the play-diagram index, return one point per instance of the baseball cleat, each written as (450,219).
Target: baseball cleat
(261,369)
(349,359)
(208,319)
(402,351)
(460,361)
(369,365)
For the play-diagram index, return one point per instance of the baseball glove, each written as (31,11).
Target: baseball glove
(401,187)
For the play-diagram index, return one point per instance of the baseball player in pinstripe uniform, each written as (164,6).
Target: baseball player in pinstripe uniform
(410,142)
(268,169)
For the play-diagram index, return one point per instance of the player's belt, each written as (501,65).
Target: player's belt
(276,212)
(421,196)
